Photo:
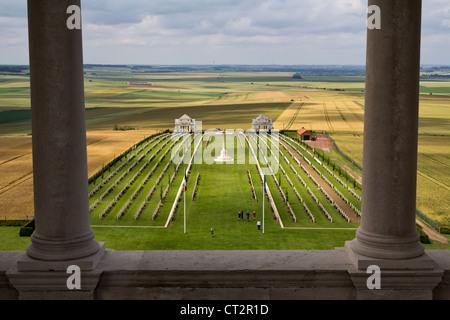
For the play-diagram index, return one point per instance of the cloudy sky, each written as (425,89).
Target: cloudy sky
(224,31)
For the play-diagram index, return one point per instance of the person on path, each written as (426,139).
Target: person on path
(248,216)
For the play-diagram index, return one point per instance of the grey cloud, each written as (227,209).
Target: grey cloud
(148,31)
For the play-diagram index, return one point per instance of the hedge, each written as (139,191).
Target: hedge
(13,223)
(423,236)
(27,230)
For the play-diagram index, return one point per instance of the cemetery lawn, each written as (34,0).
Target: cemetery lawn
(244,236)
(231,235)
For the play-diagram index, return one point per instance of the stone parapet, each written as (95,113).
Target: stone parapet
(226,275)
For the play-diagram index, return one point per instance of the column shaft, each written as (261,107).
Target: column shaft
(58,135)
(387,229)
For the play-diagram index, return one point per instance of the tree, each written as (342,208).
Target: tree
(297,75)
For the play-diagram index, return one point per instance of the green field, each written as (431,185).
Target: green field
(152,99)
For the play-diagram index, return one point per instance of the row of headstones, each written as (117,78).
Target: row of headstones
(283,196)
(305,206)
(344,215)
(195,189)
(320,205)
(173,210)
(104,213)
(258,168)
(336,177)
(143,205)
(120,179)
(322,208)
(329,183)
(339,193)
(118,169)
(250,181)
(177,168)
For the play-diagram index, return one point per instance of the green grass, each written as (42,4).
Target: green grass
(434,90)
(11,241)
(231,234)
(243,236)
(12,116)
(13,89)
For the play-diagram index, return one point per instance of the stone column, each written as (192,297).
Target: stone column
(387,229)
(62,229)
(387,239)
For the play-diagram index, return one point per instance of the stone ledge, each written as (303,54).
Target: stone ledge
(225,275)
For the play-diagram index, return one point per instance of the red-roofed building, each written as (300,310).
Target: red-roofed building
(305,135)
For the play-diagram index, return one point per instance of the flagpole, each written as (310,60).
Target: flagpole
(264,195)
(185,185)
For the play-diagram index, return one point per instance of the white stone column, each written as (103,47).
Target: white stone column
(62,234)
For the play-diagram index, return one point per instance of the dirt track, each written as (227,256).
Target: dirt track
(321,142)
(432,233)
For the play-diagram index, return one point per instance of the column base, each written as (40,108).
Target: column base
(387,247)
(32,285)
(400,279)
(362,262)
(88,263)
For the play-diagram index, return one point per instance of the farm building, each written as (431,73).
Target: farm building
(262,123)
(184,124)
(305,135)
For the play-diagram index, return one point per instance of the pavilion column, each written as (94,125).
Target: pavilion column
(387,229)
(62,229)
(387,238)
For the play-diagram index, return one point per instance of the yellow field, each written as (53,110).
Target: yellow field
(16,166)
(322,112)
(16,177)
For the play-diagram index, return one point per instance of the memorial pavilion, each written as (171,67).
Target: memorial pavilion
(184,124)
(262,123)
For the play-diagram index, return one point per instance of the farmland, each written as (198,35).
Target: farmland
(147,101)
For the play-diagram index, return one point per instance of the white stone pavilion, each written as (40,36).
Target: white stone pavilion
(262,123)
(184,124)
